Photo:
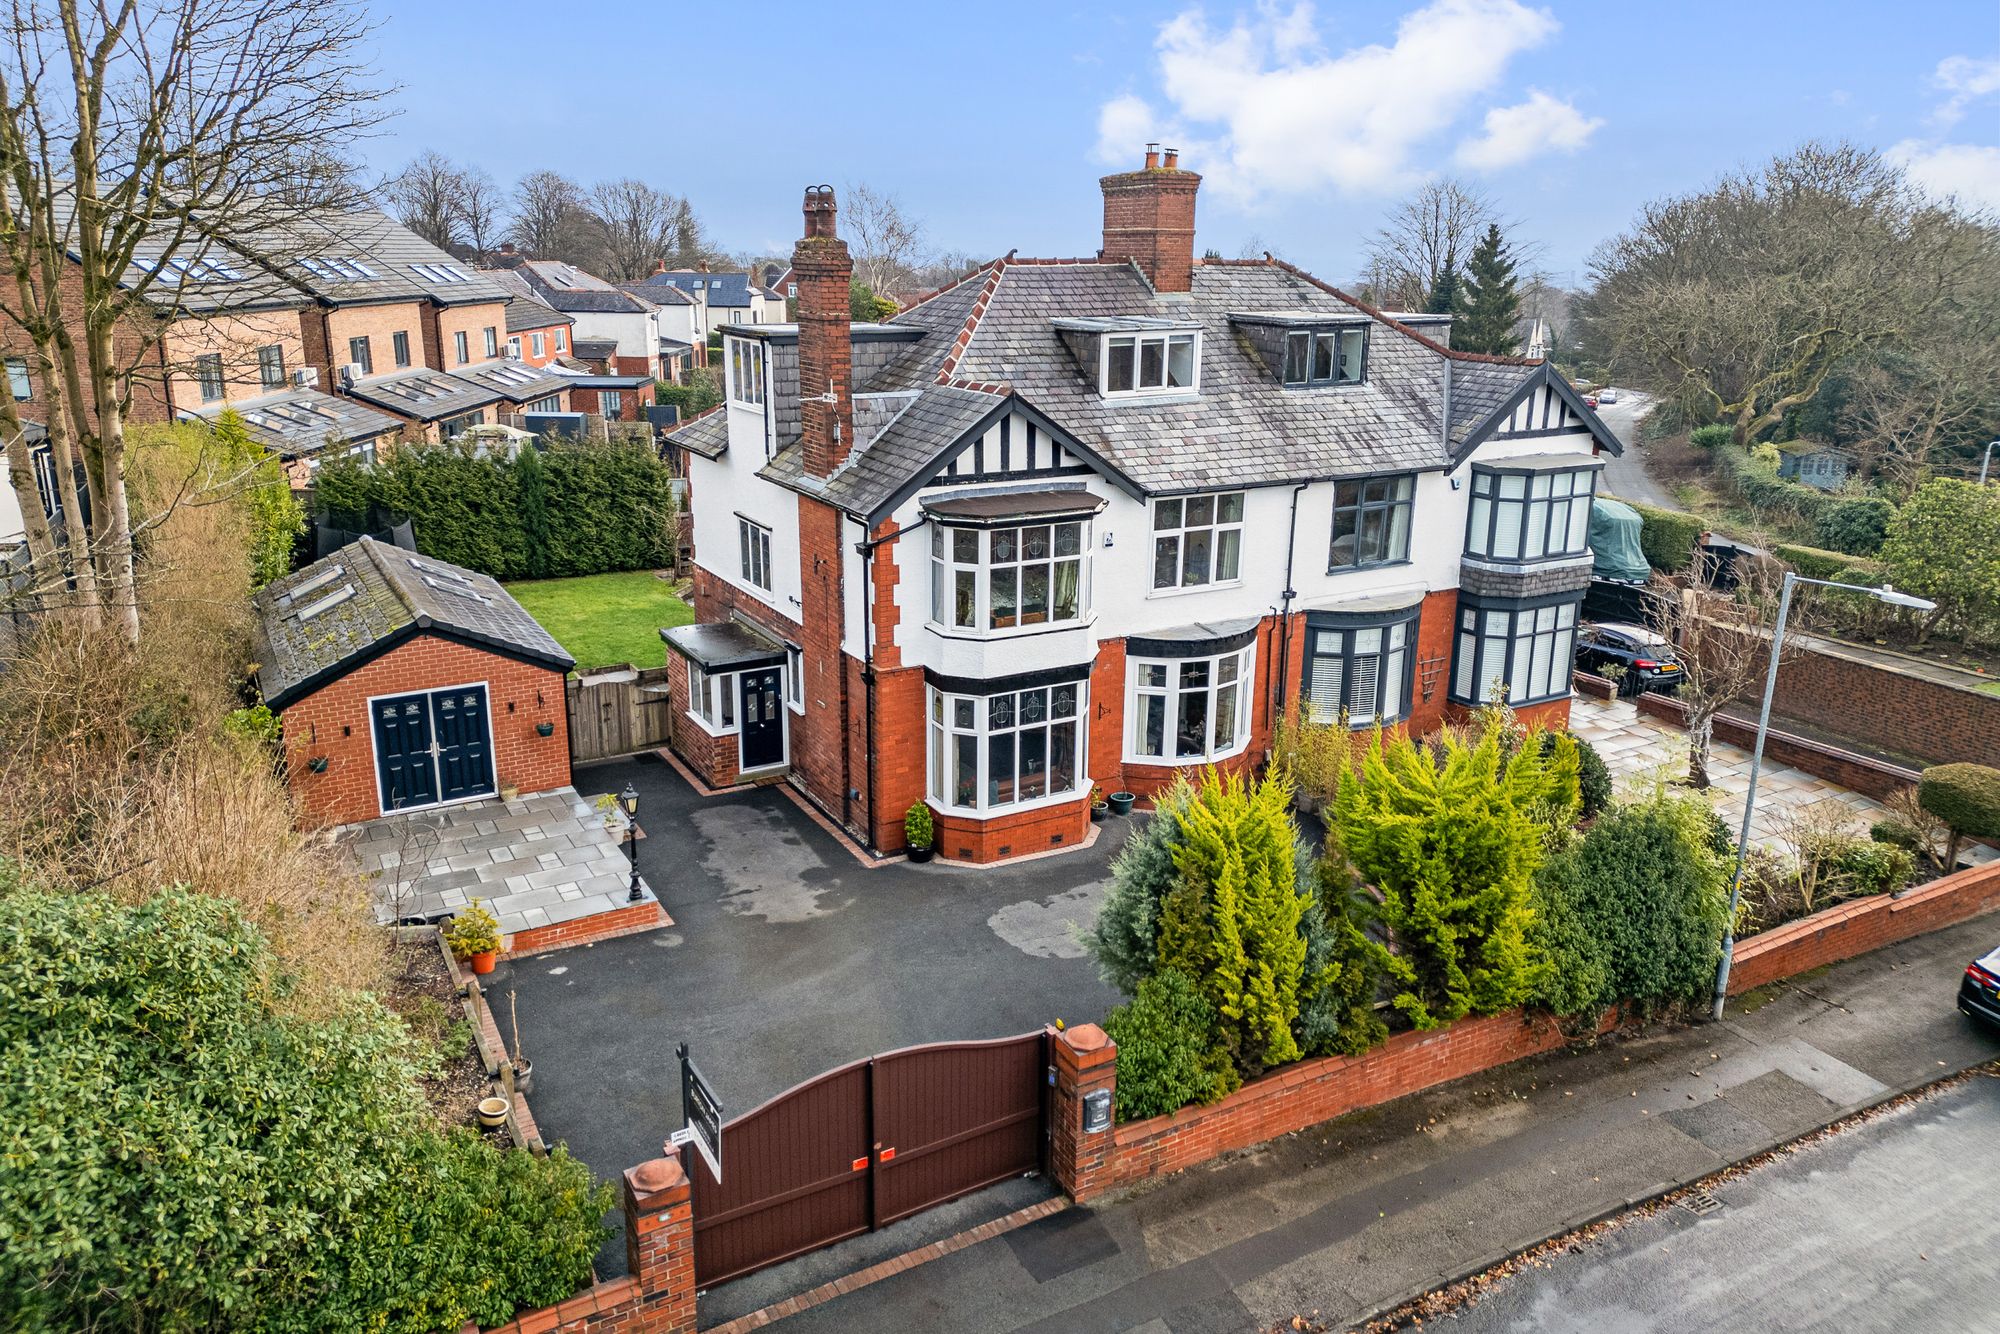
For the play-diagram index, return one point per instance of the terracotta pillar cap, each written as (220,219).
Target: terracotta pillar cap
(1086,1037)
(658,1175)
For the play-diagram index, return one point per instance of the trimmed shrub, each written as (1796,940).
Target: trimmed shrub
(1336,997)
(1966,798)
(1944,544)
(1713,436)
(1593,777)
(1854,524)
(1667,537)
(1168,1055)
(1875,867)
(1896,834)
(1815,563)
(1125,938)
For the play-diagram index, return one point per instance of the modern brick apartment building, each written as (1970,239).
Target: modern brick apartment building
(1101,521)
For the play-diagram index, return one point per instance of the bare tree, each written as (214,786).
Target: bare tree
(1739,301)
(1425,243)
(479,208)
(1722,642)
(886,242)
(546,210)
(133,138)
(427,195)
(637,223)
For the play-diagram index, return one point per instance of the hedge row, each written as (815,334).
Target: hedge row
(1854,525)
(568,510)
(1667,537)
(1819,563)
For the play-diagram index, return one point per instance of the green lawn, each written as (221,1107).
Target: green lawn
(1990,687)
(603,619)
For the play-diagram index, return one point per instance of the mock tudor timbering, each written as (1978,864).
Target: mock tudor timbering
(1100,523)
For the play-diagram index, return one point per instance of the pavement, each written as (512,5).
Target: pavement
(1887,1225)
(787,957)
(1625,475)
(1360,1214)
(537,860)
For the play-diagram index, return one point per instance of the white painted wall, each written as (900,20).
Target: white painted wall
(637,332)
(729,486)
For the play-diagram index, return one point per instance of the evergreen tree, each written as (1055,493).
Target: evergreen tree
(532,486)
(1491,303)
(1125,938)
(275,518)
(1447,294)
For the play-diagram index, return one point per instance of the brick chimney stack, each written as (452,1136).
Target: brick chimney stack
(825,274)
(1149,219)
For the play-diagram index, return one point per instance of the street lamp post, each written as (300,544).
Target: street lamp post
(1883,594)
(1986,460)
(629,799)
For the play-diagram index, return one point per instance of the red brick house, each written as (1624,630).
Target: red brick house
(405,683)
(1102,521)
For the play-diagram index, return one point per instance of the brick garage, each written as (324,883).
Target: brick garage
(473,680)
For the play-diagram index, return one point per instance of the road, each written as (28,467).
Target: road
(1888,1225)
(1625,476)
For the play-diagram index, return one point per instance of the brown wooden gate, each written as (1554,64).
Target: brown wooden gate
(864,1145)
(616,711)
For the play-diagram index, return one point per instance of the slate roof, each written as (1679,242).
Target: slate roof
(566,287)
(720,289)
(516,381)
(367,256)
(657,294)
(303,421)
(424,394)
(525,313)
(366,598)
(706,434)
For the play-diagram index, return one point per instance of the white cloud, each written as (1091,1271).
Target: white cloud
(1264,107)
(1967,79)
(1514,134)
(1971,172)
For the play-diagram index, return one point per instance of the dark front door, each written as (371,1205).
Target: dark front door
(763,718)
(465,765)
(403,752)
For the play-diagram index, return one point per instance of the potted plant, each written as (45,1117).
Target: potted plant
(545,729)
(1099,807)
(1121,803)
(474,936)
(920,830)
(317,764)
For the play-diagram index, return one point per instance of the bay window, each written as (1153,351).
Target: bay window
(1528,649)
(712,699)
(1009,748)
(1197,540)
(1371,522)
(1524,515)
(1360,669)
(1150,363)
(1012,578)
(1189,710)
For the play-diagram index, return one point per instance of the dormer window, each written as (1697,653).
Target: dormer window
(1315,357)
(1150,363)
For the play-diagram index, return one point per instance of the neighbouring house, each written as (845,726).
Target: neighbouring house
(537,333)
(432,405)
(681,345)
(616,398)
(1823,467)
(722,299)
(404,683)
(1099,522)
(305,428)
(600,310)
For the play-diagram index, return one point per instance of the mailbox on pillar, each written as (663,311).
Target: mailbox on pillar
(1096,1111)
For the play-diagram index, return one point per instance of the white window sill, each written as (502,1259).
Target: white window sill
(1185,589)
(1117,398)
(1011,808)
(710,727)
(1189,762)
(1011,632)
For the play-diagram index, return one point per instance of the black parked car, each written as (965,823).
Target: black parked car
(1645,660)
(1979,993)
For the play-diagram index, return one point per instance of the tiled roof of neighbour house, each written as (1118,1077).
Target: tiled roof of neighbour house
(720,289)
(367,256)
(594,347)
(657,294)
(525,313)
(295,422)
(426,395)
(366,598)
(706,433)
(515,381)
(567,287)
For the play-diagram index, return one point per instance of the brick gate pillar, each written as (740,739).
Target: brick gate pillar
(1080,1159)
(659,1246)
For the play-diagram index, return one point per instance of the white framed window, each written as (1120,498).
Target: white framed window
(1003,579)
(1189,710)
(492,341)
(1197,540)
(1371,522)
(537,344)
(461,345)
(610,403)
(17,379)
(753,541)
(1524,516)
(795,678)
(746,372)
(1529,648)
(1315,357)
(1361,671)
(1008,749)
(553,403)
(712,699)
(1151,363)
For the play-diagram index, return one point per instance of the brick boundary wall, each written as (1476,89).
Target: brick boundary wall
(1086,1165)
(626,921)
(1588,683)
(1858,773)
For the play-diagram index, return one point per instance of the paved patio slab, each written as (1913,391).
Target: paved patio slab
(535,861)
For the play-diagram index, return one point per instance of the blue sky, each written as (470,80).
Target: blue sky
(991,123)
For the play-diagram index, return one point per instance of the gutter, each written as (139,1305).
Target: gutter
(1283,665)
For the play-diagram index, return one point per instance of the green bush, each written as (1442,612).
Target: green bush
(918,826)
(1854,524)
(1667,537)
(1896,834)
(1815,563)
(1874,867)
(1633,910)
(1337,995)
(1125,938)
(702,391)
(571,509)
(1965,798)
(1452,845)
(1168,1053)
(1944,544)
(1712,436)
(185,1152)
(1593,777)
(1754,478)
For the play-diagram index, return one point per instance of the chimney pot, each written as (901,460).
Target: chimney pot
(1149,220)
(824,272)
(1152,156)
(1173,162)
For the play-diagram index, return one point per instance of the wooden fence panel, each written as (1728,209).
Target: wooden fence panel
(616,711)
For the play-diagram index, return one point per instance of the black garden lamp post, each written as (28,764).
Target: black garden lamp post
(629,799)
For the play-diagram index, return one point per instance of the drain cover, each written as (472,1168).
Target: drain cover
(1700,1202)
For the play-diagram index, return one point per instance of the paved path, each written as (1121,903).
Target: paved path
(1625,475)
(1887,1226)
(1366,1211)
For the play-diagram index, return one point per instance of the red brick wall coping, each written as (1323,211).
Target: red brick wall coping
(1858,773)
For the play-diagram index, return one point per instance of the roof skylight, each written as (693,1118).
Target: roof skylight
(327,603)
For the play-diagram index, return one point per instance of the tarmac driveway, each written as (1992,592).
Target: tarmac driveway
(787,957)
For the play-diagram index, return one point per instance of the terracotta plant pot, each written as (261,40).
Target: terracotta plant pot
(923,854)
(1121,803)
(492,1113)
(482,962)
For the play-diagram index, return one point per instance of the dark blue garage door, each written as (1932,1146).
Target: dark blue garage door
(432,747)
